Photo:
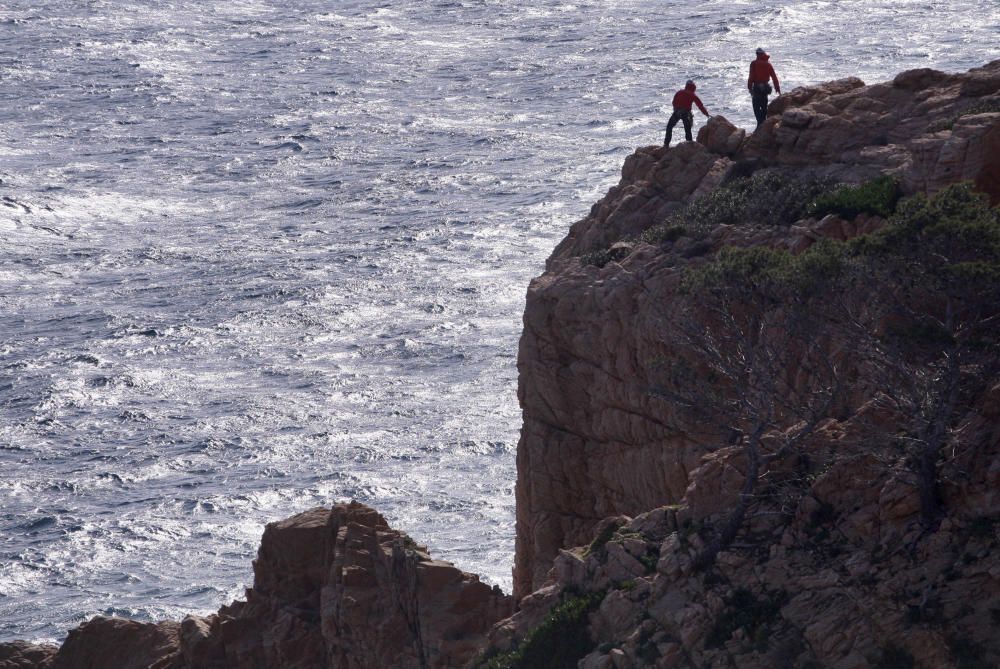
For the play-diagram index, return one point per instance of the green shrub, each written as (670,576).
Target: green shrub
(957,215)
(559,642)
(770,269)
(878,197)
(766,198)
(666,232)
(649,561)
(598,258)
(603,537)
(946,246)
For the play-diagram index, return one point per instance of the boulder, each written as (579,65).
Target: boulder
(720,136)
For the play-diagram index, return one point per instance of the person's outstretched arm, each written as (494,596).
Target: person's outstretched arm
(697,101)
(774,78)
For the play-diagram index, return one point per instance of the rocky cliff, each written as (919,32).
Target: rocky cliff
(596,442)
(843,555)
(644,435)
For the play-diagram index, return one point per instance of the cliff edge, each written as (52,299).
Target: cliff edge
(596,442)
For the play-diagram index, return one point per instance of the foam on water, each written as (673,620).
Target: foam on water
(257,257)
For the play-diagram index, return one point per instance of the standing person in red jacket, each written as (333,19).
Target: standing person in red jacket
(682,111)
(761,71)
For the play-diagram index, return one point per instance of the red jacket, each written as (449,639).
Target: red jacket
(683,99)
(761,70)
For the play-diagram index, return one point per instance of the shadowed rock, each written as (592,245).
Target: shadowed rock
(332,588)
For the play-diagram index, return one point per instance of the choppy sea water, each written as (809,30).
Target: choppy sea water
(257,257)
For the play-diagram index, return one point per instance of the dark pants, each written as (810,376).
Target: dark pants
(683,115)
(759,94)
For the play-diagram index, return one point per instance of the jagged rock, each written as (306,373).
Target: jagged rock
(124,644)
(339,588)
(913,127)
(24,655)
(332,588)
(845,585)
(655,180)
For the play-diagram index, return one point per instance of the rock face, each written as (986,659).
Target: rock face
(845,583)
(596,441)
(332,588)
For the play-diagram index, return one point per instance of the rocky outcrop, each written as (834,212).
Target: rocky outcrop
(332,588)
(126,644)
(843,576)
(596,441)
(847,579)
(844,584)
(926,127)
(24,655)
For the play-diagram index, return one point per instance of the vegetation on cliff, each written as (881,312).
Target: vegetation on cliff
(766,198)
(904,321)
(558,642)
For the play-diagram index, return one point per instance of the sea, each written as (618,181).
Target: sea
(258,256)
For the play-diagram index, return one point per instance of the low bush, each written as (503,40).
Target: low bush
(763,199)
(660,234)
(878,197)
(771,271)
(766,198)
(559,642)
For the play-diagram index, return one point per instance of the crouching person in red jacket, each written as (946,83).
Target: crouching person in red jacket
(682,111)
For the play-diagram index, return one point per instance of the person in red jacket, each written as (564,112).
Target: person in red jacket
(682,111)
(761,71)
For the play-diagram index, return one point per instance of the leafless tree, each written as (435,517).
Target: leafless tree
(760,356)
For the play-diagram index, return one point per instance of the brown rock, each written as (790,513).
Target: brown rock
(340,588)
(720,136)
(653,179)
(915,80)
(332,588)
(124,644)
(24,655)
